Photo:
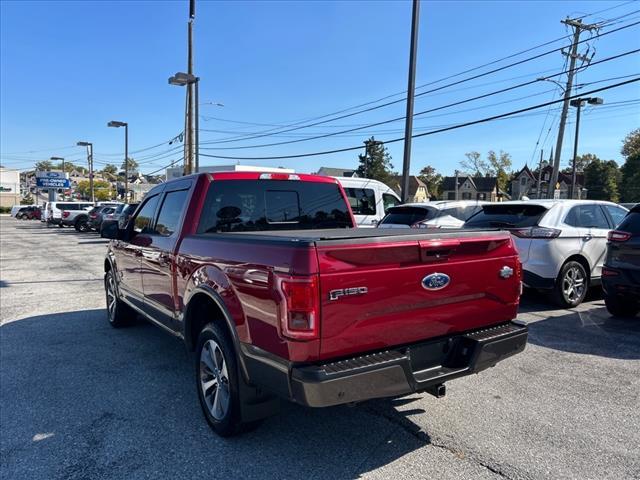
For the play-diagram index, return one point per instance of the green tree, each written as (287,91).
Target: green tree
(474,165)
(44,165)
(376,162)
(499,166)
(133,165)
(103,190)
(433,180)
(110,171)
(28,200)
(630,171)
(601,180)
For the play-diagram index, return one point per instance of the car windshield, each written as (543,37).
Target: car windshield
(506,216)
(408,215)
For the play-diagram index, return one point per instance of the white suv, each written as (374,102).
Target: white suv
(562,243)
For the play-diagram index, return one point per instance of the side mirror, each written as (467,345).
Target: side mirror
(111,230)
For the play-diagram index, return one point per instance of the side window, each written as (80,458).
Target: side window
(389,201)
(587,216)
(144,219)
(616,213)
(362,200)
(170,212)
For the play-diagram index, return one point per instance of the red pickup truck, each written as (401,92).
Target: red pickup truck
(266,278)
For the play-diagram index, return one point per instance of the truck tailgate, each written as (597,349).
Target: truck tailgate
(384,292)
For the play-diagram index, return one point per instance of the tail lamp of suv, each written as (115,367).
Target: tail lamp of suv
(618,236)
(299,308)
(536,232)
(65,214)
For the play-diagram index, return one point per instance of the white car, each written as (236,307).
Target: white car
(561,243)
(440,214)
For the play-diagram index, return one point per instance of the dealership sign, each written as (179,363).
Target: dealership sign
(54,179)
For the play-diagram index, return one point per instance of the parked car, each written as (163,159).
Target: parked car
(30,212)
(16,208)
(264,277)
(441,214)
(562,243)
(621,272)
(55,209)
(76,218)
(114,217)
(369,199)
(96,215)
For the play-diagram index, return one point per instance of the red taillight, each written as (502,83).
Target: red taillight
(65,214)
(536,232)
(93,215)
(607,272)
(300,309)
(618,236)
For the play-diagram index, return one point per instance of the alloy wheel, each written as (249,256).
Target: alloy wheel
(214,380)
(573,284)
(111,298)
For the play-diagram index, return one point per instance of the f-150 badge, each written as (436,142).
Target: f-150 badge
(435,281)
(345,292)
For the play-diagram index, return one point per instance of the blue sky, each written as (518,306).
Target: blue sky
(67,68)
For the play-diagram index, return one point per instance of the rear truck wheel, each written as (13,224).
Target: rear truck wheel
(119,314)
(82,225)
(217,381)
(621,306)
(60,225)
(571,285)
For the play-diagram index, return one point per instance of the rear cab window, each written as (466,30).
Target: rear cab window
(250,206)
(506,216)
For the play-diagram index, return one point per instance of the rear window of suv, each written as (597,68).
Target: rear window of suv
(631,222)
(506,216)
(250,206)
(408,215)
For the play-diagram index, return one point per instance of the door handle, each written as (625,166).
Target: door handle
(587,237)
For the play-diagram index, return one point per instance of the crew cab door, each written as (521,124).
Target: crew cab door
(158,255)
(128,252)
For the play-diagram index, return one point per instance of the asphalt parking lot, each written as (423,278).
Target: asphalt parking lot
(79,399)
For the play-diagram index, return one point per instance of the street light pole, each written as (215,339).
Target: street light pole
(116,124)
(89,146)
(182,79)
(578,103)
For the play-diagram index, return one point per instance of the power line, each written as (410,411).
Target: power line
(384,122)
(250,137)
(432,132)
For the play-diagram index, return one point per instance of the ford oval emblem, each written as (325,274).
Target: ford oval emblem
(435,281)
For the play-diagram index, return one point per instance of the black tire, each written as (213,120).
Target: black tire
(621,306)
(119,313)
(82,225)
(227,422)
(60,225)
(571,285)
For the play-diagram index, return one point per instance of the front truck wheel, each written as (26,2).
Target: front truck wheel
(217,381)
(118,313)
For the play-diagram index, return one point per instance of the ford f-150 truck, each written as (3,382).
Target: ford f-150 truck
(264,276)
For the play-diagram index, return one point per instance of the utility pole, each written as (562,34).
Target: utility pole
(456,186)
(89,146)
(188,145)
(578,27)
(408,129)
(539,176)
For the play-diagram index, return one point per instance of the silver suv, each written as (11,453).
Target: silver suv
(562,243)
